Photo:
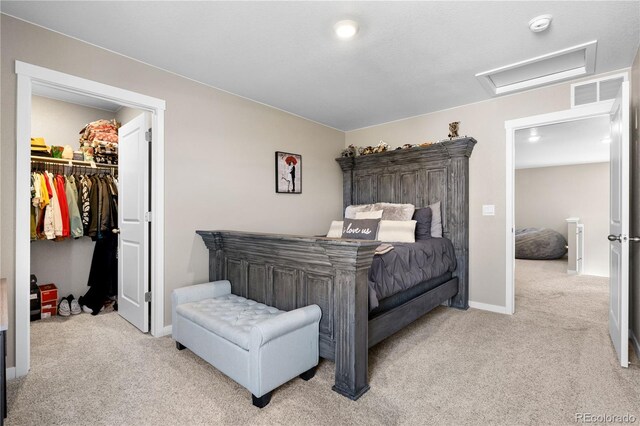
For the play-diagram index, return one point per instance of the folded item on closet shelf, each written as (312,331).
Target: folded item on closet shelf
(40,153)
(104,137)
(106,145)
(106,150)
(37,144)
(100,125)
(105,159)
(100,130)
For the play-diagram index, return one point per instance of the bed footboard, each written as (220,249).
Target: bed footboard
(289,272)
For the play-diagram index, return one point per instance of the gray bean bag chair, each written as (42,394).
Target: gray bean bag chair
(539,244)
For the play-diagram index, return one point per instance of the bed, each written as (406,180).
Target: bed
(289,271)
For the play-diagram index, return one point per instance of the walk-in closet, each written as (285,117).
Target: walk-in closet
(75,205)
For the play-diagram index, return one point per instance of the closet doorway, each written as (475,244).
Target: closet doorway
(143,269)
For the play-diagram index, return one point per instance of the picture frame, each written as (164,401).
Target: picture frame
(288,173)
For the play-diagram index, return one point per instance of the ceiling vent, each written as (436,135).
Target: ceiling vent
(602,89)
(546,69)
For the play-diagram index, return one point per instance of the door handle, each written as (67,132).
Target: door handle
(115,230)
(619,238)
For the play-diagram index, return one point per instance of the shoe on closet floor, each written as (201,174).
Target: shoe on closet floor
(64,309)
(88,310)
(74,305)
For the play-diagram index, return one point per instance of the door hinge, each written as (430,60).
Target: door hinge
(147,217)
(147,296)
(147,136)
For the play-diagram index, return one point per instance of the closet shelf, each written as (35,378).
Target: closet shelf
(67,162)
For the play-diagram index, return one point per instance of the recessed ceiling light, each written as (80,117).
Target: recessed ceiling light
(606,139)
(346,29)
(540,23)
(533,135)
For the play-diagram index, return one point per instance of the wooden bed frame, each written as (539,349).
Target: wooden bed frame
(289,271)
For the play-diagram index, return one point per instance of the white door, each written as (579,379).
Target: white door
(619,226)
(133,200)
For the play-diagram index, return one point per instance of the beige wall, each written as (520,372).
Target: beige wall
(546,196)
(634,309)
(485,122)
(65,263)
(126,114)
(219,155)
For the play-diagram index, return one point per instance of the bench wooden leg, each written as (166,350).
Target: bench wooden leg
(308,375)
(180,346)
(262,401)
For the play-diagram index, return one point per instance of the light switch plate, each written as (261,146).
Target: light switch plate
(488,210)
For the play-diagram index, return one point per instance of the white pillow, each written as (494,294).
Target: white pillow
(397,231)
(374,214)
(350,211)
(335,230)
(436,220)
(394,211)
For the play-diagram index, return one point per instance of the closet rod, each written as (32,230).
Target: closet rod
(92,164)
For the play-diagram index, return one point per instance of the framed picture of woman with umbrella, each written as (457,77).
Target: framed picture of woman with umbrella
(288,173)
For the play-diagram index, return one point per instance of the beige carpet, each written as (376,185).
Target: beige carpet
(549,361)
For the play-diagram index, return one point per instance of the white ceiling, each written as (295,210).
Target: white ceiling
(409,58)
(573,142)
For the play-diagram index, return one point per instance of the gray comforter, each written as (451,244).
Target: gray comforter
(407,265)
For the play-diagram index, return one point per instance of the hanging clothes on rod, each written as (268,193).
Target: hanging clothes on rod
(68,205)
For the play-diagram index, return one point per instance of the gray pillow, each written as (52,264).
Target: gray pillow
(423,219)
(360,229)
(393,211)
(436,220)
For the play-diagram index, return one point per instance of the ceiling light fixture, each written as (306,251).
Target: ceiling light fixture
(540,23)
(533,135)
(606,139)
(346,29)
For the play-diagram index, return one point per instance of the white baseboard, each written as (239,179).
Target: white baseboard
(11,373)
(488,307)
(166,331)
(634,342)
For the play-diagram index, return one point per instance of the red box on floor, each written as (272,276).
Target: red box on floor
(48,300)
(48,293)
(48,310)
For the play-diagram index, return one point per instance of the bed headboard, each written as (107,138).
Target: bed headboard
(419,176)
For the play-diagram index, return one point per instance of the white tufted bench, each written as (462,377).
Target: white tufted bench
(258,346)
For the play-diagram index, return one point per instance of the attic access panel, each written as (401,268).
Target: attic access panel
(553,67)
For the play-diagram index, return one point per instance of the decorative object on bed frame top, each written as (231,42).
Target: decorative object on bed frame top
(454,126)
(288,173)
